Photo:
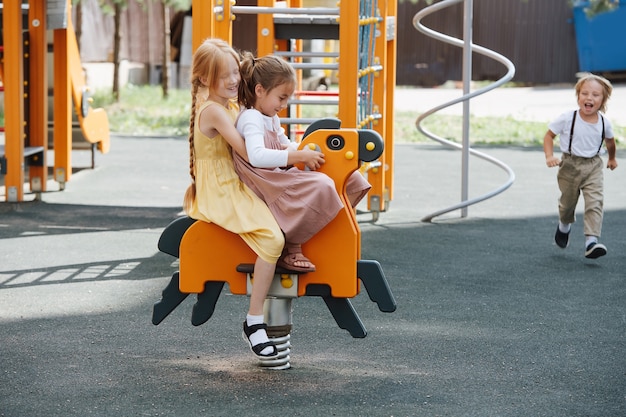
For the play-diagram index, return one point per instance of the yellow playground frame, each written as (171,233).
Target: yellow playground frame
(364,101)
(25,80)
(366,73)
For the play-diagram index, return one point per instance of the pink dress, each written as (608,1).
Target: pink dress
(302,202)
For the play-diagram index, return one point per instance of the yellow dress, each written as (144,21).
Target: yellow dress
(222,198)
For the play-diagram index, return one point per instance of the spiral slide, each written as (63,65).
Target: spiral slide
(468,49)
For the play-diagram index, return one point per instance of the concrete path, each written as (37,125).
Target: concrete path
(541,104)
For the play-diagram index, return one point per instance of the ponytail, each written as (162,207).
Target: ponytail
(247,95)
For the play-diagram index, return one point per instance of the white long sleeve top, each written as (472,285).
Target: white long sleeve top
(252,125)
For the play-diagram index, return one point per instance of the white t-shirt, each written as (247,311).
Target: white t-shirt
(587,136)
(252,125)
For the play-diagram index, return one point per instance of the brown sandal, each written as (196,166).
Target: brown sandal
(288,262)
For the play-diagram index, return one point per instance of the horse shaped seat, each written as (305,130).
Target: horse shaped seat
(211,256)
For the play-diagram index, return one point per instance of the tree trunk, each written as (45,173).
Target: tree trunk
(116,51)
(166,50)
(79,23)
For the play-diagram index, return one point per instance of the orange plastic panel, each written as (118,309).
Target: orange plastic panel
(94,124)
(13,98)
(336,248)
(210,253)
(62,104)
(38,74)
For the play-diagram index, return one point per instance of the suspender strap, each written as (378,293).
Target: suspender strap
(602,138)
(571,133)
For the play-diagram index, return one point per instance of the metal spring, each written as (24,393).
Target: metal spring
(281,361)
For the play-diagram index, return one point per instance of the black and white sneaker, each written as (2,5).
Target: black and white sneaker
(561,239)
(595,250)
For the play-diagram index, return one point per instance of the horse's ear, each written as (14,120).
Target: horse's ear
(327,123)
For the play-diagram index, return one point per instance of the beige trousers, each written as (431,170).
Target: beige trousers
(582,175)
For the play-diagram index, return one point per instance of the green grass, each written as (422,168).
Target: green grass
(144,111)
(483,130)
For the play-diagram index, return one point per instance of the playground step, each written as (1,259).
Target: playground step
(33,156)
(306,27)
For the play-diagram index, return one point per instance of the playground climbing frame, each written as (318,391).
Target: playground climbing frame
(366,74)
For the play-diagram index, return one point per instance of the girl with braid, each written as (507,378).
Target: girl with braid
(216,193)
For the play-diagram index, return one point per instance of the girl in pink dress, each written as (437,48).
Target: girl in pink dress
(302,201)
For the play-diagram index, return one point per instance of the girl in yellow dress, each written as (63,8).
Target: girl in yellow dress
(216,193)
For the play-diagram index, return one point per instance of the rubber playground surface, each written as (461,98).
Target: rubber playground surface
(493,319)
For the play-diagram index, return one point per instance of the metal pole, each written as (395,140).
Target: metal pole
(318,11)
(467,80)
(507,77)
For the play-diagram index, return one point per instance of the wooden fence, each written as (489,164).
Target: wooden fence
(536,35)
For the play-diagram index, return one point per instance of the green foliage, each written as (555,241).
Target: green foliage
(142,110)
(483,130)
(179,4)
(595,7)
(107,5)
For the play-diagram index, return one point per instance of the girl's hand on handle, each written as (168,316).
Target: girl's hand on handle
(552,161)
(310,158)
